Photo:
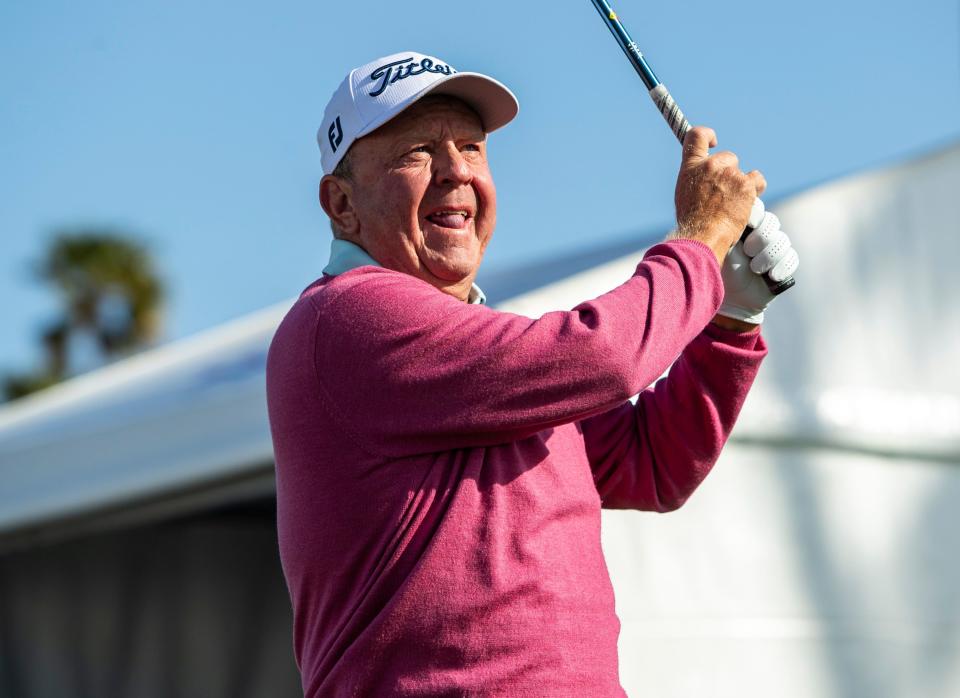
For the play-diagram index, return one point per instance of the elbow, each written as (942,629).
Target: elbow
(678,473)
(674,486)
(668,504)
(620,372)
(629,375)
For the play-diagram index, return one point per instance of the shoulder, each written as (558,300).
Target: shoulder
(359,289)
(374,298)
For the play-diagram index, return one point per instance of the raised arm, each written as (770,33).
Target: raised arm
(407,369)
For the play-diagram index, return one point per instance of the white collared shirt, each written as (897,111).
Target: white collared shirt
(345,255)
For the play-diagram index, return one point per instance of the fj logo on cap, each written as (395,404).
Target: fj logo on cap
(335,134)
(390,73)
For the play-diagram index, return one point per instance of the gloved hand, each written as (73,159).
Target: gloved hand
(766,248)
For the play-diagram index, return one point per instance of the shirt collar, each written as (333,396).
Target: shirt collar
(345,255)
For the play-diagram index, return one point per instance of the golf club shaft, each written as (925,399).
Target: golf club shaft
(658,92)
(665,103)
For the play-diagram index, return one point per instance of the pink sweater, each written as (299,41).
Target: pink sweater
(441,469)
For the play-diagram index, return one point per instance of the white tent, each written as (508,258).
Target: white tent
(818,559)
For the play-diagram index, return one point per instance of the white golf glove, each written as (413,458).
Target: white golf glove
(765,249)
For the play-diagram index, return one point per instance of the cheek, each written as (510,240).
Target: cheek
(487,193)
(397,201)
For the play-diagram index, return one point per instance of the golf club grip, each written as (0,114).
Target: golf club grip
(671,112)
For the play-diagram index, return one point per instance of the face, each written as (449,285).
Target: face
(421,199)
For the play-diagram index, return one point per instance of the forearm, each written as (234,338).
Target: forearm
(652,456)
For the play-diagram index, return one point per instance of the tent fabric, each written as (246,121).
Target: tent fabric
(193,607)
(794,572)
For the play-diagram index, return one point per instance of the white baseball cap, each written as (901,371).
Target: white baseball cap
(374,93)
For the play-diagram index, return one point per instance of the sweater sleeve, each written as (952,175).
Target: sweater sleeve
(406,369)
(654,454)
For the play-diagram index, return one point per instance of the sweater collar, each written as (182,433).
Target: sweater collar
(345,255)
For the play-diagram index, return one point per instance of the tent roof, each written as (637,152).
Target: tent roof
(862,357)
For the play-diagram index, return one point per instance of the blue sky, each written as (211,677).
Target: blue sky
(192,124)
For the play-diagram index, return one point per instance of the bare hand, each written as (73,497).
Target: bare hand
(713,196)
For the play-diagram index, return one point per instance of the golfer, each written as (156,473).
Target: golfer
(441,465)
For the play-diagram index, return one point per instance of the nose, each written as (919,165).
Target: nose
(450,167)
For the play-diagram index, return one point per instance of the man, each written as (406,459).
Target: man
(441,466)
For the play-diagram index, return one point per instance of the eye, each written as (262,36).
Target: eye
(420,149)
(472,146)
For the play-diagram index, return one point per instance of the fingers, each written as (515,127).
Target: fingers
(697,144)
(785,268)
(713,196)
(770,250)
(758,180)
(756,213)
(763,235)
(772,254)
(724,160)
(696,150)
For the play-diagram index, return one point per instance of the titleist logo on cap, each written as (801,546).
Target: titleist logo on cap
(364,101)
(389,73)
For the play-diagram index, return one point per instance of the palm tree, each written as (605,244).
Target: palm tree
(109,290)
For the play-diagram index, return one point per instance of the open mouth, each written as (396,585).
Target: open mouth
(450,218)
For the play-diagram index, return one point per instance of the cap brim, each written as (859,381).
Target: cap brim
(492,100)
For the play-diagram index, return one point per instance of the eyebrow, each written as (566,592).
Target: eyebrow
(423,135)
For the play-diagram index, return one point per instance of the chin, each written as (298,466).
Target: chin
(453,269)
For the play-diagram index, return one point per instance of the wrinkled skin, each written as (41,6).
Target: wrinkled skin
(421,198)
(713,196)
(713,199)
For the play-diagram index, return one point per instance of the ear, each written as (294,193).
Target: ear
(336,199)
